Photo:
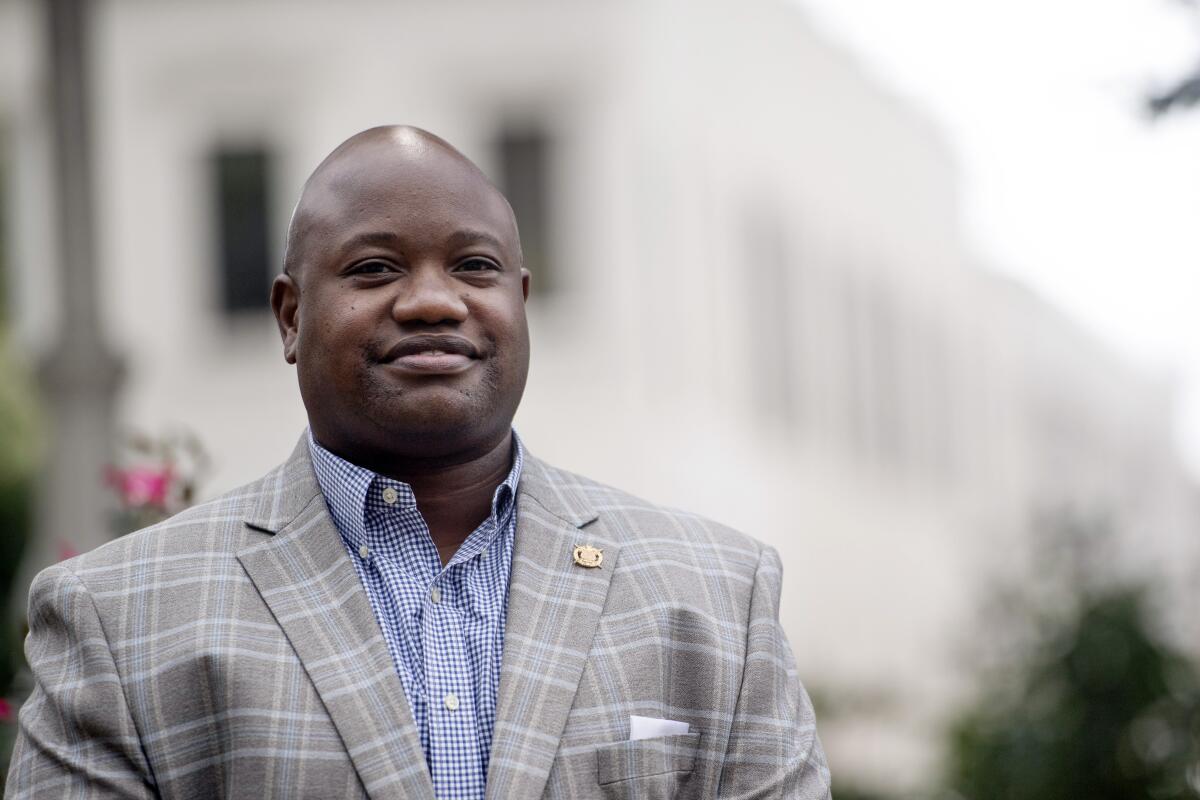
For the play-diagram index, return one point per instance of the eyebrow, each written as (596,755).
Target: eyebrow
(376,238)
(466,238)
(456,241)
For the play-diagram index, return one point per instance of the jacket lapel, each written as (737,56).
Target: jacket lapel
(307,580)
(554,606)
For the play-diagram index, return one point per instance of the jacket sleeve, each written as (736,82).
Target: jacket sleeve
(76,737)
(773,747)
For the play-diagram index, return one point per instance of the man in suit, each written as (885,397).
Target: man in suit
(412,605)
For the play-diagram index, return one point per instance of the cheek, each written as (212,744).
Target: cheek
(512,342)
(506,321)
(331,316)
(329,343)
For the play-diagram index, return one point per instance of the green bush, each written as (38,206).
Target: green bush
(19,459)
(1096,704)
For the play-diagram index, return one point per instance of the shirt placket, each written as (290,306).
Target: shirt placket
(453,717)
(404,568)
(447,650)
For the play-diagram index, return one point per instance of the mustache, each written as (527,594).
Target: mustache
(425,342)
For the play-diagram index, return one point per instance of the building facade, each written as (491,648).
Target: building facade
(752,296)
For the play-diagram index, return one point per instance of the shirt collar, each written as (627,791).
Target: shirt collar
(346,485)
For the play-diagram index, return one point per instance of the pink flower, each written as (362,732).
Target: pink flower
(66,551)
(141,486)
(6,712)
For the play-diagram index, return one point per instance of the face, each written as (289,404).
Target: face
(405,310)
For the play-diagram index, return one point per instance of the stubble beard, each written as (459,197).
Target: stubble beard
(452,420)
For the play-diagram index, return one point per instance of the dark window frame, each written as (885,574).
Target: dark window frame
(524,154)
(241,180)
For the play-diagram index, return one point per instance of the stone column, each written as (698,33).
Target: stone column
(78,375)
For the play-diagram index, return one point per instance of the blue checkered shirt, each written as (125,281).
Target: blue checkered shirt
(444,625)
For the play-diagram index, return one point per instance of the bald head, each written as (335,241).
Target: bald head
(399,155)
(403,303)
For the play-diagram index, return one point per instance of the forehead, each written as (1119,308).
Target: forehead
(423,197)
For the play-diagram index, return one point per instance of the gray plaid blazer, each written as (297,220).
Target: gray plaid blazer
(232,652)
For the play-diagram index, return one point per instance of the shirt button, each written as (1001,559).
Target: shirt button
(364,551)
(436,596)
(483,553)
(390,495)
(451,701)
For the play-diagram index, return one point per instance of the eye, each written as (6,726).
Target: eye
(373,267)
(477,264)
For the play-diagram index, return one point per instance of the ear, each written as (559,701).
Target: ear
(525,278)
(285,302)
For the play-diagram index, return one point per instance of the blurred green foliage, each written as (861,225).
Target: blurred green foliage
(19,461)
(19,454)
(1082,694)
(19,458)
(18,466)
(1095,704)
(19,443)
(849,791)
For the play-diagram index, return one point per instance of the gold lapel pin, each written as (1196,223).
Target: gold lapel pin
(588,556)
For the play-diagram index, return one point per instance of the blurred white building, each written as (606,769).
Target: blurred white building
(752,296)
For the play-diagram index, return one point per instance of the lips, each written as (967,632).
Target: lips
(436,354)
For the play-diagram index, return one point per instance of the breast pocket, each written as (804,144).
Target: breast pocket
(647,769)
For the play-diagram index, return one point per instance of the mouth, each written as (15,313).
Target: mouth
(432,354)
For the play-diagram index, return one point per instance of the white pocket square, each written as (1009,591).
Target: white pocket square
(651,727)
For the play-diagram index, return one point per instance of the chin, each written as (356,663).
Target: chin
(443,428)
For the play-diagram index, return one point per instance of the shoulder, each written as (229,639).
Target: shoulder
(648,532)
(198,540)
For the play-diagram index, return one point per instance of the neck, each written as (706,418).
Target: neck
(469,483)
(455,499)
(453,491)
(453,495)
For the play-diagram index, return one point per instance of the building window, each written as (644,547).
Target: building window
(241,179)
(523,160)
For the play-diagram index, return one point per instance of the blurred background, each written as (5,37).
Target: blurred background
(906,291)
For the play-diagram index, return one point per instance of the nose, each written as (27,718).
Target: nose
(429,295)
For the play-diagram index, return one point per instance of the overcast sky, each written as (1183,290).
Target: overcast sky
(1068,185)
